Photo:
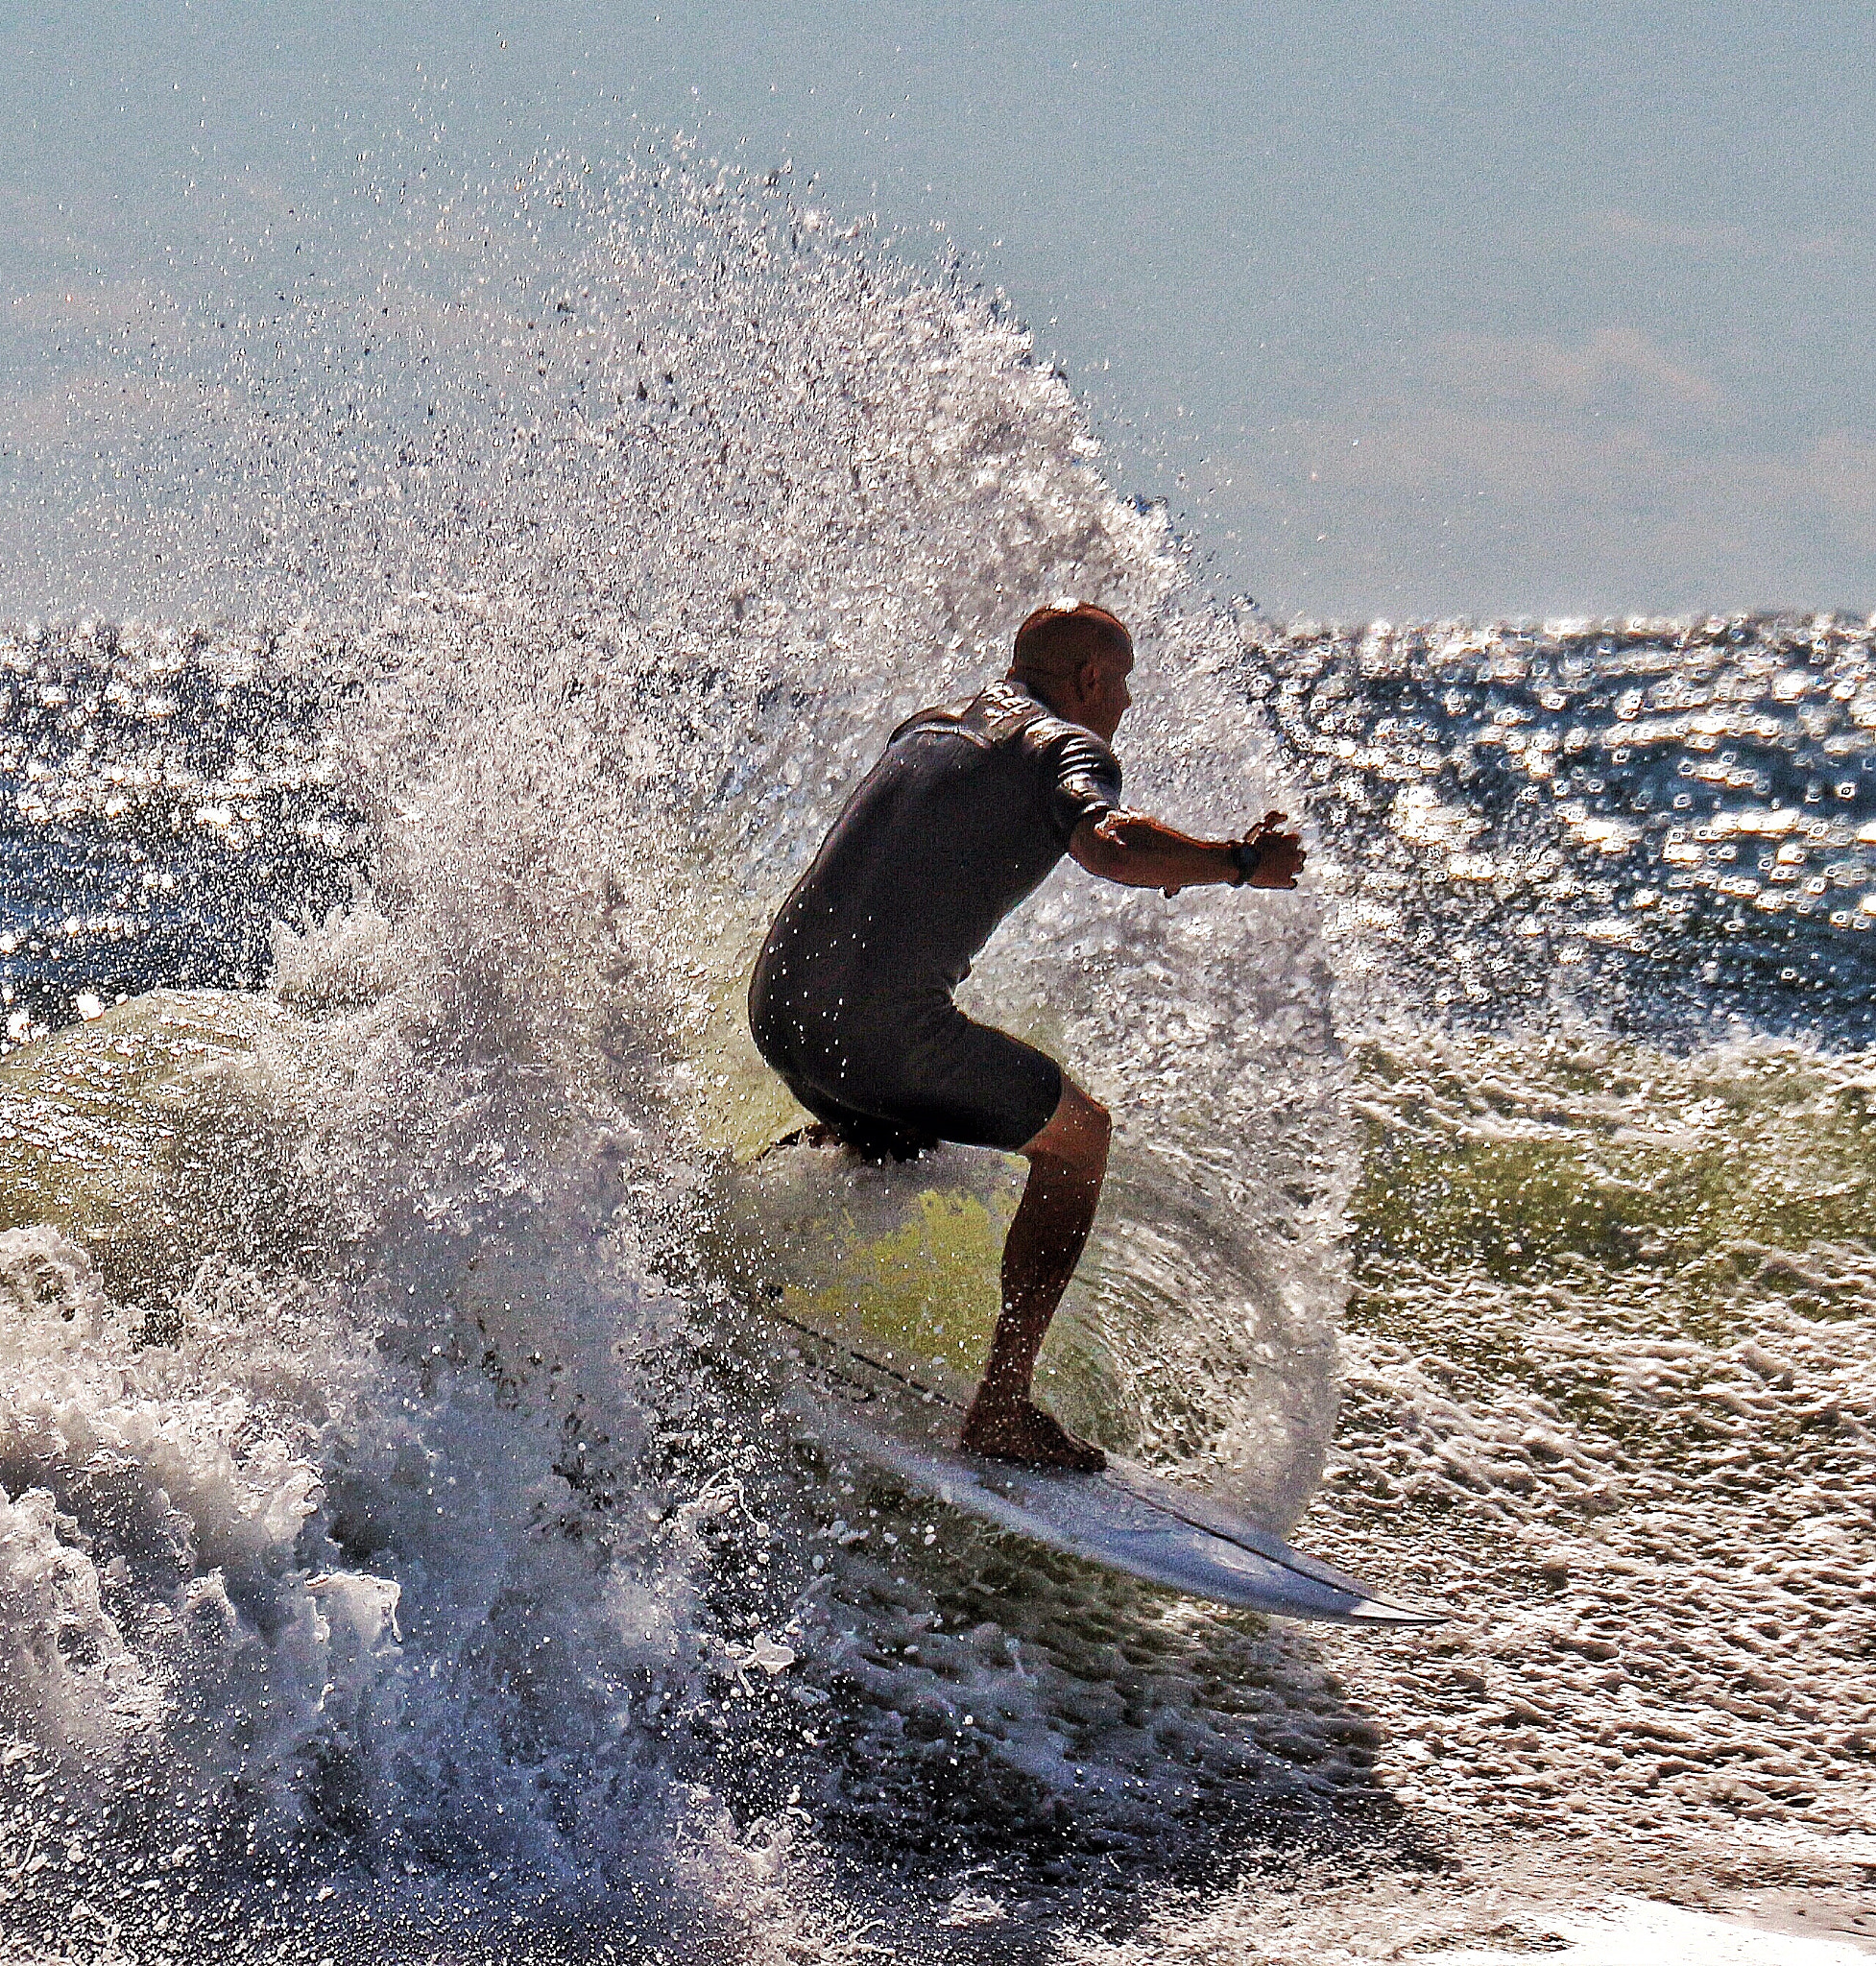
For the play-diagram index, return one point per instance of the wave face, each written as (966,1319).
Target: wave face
(399,1517)
(402,1537)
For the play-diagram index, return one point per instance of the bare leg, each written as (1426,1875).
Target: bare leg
(1067,1163)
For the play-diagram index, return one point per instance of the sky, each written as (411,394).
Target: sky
(1408,311)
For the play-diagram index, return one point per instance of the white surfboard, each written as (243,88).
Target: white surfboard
(868,1404)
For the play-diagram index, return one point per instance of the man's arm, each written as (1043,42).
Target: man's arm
(1137,852)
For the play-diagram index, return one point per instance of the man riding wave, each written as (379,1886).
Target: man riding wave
(851,999)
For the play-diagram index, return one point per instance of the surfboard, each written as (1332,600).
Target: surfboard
(878,1409)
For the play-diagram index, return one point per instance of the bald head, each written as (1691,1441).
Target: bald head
(1055,643)
(1076,660)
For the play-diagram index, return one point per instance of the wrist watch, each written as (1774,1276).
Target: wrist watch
(1244,856)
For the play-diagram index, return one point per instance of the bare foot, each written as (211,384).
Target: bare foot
(1022,1433)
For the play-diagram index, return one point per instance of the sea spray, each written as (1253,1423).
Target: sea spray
(626,550)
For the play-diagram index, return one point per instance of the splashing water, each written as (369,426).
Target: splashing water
(710,509)
(402,1539)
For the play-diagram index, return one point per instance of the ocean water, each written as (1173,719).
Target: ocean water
(405,1548)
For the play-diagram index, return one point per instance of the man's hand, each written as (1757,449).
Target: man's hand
(1275,853)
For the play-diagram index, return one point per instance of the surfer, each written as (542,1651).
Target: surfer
(851,1002)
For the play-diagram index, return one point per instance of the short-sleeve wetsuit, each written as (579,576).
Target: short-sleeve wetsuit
(850,1001)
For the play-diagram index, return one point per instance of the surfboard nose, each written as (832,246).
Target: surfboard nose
(1376,1611)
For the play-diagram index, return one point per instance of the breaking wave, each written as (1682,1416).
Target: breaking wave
(399,1514)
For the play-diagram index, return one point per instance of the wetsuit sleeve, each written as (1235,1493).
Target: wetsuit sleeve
(1084,779)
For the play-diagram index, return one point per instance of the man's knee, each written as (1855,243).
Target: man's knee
(1077,1133)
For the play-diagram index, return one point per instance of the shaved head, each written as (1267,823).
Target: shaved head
(1054,642)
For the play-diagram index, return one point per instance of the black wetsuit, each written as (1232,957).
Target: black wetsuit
(850,1001)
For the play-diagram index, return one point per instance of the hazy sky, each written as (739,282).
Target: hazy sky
(1409,310)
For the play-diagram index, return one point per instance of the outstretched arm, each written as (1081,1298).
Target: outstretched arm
(1138,852)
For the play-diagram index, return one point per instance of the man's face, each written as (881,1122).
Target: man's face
(1105,698)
